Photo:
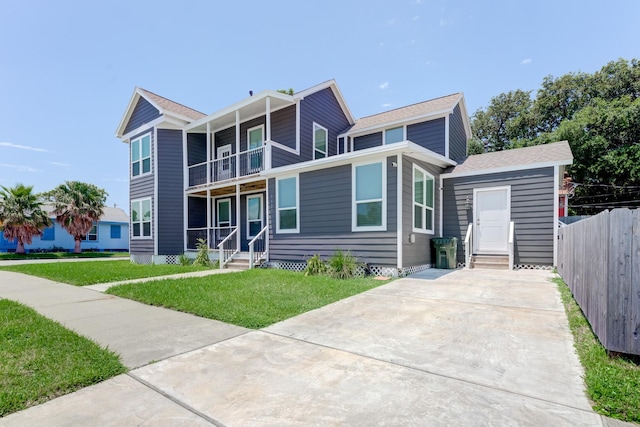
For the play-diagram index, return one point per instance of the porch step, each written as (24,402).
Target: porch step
(240,261)
(495,262)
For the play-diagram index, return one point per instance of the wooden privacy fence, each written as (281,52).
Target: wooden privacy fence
(599,258)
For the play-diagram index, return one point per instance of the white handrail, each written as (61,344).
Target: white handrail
(251,244)
(221,258)
(511,238)
(468,241)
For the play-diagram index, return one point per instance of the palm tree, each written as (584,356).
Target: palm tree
(77,205)
(21,215)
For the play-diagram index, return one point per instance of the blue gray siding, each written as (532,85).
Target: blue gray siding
(429,135)
(142,187)
(367,141)
(196,148)
(225,137)
(419,252)
(283,131)
(457,136)
(532,201)
(170,193)
(325,220)
(197,215)
(142,113)
(323,108)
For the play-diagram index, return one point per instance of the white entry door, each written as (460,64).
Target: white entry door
(223,163)
(491,218)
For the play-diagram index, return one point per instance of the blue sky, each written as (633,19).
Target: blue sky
(69,68)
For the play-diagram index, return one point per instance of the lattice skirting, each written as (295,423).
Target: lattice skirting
(141,259)
(532,267)
(361,270)
(166,259)
(407,271)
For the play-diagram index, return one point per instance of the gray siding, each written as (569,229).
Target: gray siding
(170,193)
(420,252)
(197,215)
(244,127)
(225,137)
(429,135)
(325,220)
(367,141)
(283,124)
(142,187)
(196,148)
(457,136)
(142,113)
(532,204)
(323,108)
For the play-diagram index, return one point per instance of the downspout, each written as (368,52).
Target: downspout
(556,186)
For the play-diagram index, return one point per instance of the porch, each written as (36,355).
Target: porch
(229,166)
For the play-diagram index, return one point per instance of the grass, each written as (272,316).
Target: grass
(62,255)
(90,272)
(252,299)
(613,382)
(40,359)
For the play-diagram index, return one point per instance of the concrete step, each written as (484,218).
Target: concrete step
(495,262)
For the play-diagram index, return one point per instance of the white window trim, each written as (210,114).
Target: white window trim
(261,127)
(424,230)
(326,141)
(86,237)
(354,206)
(249,236)
(139,138)
(404,134)
(288,230)
(141,237)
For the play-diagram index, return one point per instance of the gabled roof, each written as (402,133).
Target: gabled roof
(432,107)
(165,106)
(111,214)
(557,153)
(331,84)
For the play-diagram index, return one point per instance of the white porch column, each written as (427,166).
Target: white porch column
(208,153)
(237,143)
(267,142)
(238,225)
(185,184)
(209,218)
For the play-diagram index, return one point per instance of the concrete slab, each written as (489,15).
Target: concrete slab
(120,401)
(264,379)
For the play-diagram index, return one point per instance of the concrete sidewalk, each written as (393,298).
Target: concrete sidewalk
(468,348)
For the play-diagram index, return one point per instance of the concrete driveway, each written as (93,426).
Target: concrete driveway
(473,347)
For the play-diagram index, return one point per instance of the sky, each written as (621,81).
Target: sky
(69,68)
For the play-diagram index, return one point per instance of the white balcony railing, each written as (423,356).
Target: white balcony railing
(246,163)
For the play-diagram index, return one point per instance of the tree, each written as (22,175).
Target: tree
(77,205)
(21,215)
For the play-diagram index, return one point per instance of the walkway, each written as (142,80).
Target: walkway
(468,348)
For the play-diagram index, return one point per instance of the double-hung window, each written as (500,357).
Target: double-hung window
(287,202)
(92,235)
(320,136)
(369,197)
(394,135)
(141,218)
(423,193)
(141,155)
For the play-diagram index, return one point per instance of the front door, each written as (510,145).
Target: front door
(223,163)
(254,215)
(491,220)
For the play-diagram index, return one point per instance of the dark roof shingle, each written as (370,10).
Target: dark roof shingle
(172,106)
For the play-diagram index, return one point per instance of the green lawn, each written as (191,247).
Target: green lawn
(84,273)
(252,299)
(613,383)
(62,255)
(40,359)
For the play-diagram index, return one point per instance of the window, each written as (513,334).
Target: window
(116,232)
(141,155)
(254,215)
(92,235)
(369,197)
(255,140)
(394,135)
(49,233)
(319,141)
(287,202)
(423,187)
(141,218)
(224,213)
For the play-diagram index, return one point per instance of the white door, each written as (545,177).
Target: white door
(491,218)
(223,163)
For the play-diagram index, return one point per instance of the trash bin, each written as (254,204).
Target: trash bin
(446,251)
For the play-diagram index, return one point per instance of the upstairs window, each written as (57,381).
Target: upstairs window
(423,188)
(394,135)
(320,136)
(141,218)
(287,201)
(116,232)
(369,197)
(141,155)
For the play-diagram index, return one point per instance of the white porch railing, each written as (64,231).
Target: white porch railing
(228,248)
(258,247)
(511,238)
(237,165)
(468,246)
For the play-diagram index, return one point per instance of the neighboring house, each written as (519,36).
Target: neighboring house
(110,233)
(286,177)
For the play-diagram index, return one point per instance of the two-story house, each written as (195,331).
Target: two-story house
(280,177)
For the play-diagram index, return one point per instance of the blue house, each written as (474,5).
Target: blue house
(278,178)
(110,233)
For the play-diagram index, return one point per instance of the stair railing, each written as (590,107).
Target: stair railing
(227,248)
(258,247)
(468,246)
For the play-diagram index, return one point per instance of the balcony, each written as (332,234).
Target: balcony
(246,163)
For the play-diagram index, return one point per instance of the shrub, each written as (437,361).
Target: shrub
(342,265)
(315,266)
(202,257)
(184,260)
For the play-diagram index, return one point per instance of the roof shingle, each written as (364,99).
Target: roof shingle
(172,106)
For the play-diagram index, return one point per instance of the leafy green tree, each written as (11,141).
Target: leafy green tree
(77,205)
(21,215)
